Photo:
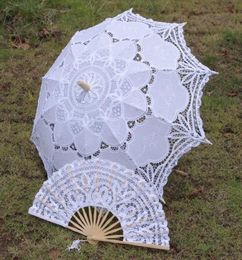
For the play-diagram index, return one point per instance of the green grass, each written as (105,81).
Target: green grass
(204,209)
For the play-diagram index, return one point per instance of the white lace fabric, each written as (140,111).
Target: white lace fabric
(108,185)
(143,107)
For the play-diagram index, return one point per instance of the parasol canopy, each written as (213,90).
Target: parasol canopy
(127,90)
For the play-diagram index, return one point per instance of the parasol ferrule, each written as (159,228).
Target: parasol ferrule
(85,86)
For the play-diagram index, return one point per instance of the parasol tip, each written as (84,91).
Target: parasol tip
(85,86)
(206,141)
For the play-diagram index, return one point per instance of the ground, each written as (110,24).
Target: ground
(204,209)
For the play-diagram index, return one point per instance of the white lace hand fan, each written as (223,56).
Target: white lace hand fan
(104,202)
(127,90)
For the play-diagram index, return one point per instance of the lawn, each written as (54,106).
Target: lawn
(204,209)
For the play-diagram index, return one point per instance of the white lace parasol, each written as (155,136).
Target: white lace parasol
(127,90)
(103,201)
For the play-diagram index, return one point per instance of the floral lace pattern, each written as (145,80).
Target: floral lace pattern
(107,185)
(143,107)
(101,114)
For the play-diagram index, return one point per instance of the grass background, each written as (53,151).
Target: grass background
(204,209)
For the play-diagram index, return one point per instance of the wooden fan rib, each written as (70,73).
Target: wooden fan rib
(90,215)
(94,215)
(113,236)
(77,227)
(100,213)
(85,216)
(103,219)
(112,231)
(111,226)
(132,243)
(79,221)
(76,230)
(105,224)
(81,218)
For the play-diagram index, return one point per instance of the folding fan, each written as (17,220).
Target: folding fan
(103,201)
